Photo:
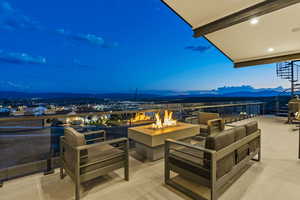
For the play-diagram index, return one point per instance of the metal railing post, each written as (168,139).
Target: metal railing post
(299,145)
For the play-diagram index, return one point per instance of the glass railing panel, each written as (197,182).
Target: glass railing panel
(24,142)
(29,141)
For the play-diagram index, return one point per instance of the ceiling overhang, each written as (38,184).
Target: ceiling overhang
(248,32)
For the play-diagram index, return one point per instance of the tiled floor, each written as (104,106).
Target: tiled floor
(277,177)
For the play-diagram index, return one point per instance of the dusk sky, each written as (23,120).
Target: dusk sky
(111,46)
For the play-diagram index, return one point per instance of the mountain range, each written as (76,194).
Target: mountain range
(235,91)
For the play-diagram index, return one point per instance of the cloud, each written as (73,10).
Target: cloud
(87,38)
(12,86)
(12,19)
(199,48)
(21,58)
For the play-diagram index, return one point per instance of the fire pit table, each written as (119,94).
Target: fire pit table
(150,141)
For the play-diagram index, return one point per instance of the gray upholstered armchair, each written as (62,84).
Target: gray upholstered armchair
(209,123)
(84,159)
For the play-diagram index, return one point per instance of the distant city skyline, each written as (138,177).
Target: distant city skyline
(111,46)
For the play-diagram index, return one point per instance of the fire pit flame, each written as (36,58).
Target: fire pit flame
(141,116)
(168,121)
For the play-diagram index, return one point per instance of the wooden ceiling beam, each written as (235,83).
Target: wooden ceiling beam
(275,59)
(257,10)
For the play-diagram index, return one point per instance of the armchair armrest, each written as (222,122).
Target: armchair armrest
(210,122)
(95,132)
(220,121)
(190,146)
(89,146)
(192,120)
(101,135)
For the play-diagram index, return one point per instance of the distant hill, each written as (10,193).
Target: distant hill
(28,95)
(241,91)
(266,93)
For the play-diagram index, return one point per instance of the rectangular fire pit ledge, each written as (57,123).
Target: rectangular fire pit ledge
(150,142)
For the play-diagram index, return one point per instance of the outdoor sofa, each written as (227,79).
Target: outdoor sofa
(214,165)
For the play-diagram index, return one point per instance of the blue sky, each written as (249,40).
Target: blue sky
(110,46)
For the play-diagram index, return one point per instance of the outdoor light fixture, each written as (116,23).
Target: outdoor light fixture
(270,49)
(297,29)
(254,21)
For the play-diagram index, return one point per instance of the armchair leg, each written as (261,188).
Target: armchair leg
(126,167)
(213,194)
(167,168)
(49,169)
(126,173)
(259,152)
(77,190)
(1,183)
(167,174)
(77,175)
(259,156)
(62,175)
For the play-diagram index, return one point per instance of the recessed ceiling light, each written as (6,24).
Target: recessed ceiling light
(297,29)
(254,21)
(270,49)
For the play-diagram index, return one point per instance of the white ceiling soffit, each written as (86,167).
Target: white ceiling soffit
(201,12)
(275,35)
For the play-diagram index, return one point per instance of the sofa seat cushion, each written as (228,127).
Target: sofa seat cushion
(189,154)
(189,159)
(103,155)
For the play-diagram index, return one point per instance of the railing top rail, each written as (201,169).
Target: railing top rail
(182,107)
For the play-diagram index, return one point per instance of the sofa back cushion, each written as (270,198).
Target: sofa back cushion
(203,117)
(251,127)
(73,139)
(218,142)
(243,151)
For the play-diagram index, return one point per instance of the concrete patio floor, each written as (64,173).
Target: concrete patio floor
(276,177)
